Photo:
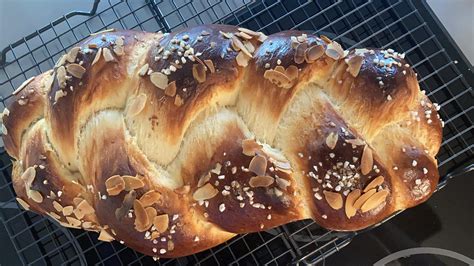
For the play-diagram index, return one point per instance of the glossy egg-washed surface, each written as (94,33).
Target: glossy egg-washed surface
(322,135)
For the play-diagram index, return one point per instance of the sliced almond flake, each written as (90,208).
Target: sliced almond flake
(375,200)
(127,204)
(55,216)
(119,50)
(72,54)
(242,59)
(258,165)
(108,56)
(102,31)
(159,79)
(261,181)
(283,166)
(333,199)
(73,222)
(67,210)
(325,39)
(300,53)
(170,245)
(61,61)
(132,182)
(28,176)
(278,78)
(61,76)
(226,35)
(120,41)
(143,70)
(105,236)
(170,89)
(334,50)
(350,200)
(331,140)
(150,198)
(292,72)
(178,101)
(354,64)
(35,196)
(77,200)
(250,147)
(137,104)
(262,37)
(313,53)
(58,207)
(245,35)
(87,225)
(356,142)
(363,198)
(23,85)
(210,65)
(236,44)
(114,184)
(183,190)
(282,183)
(97,57)
(367,160)
(161,223)
(249,32)
(200,62)
(374,183)
(23,203)
(249,46)
(199,73)
(142,222)
(205,192)
(76,70)
(151,213)
(280,69)
(85,207)
(204,179)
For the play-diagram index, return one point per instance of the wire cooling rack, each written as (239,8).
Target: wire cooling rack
(406,26)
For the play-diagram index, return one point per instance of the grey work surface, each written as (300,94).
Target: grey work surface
(445,221)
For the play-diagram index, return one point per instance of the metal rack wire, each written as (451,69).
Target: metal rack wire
(406,26)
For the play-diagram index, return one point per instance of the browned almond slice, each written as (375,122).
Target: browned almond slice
(280,69)
(151,212)
(236,43)
(331,140)
(85,207)
(132,182)
(154,235)
(137,104)
(114,184)
(350,200)
(76,70)
(142,222)
(73,222)
(170,89)
(127,204)
(375,183)
(35,196)
(258,165)
(178,101)
(108,56)
(97,57)
(77,200)
(357,142)
(249,46)
(204,179)
(242,59)
(72,55)
(313,53)
(61,76)
(325,39)
(161,222)
(199,73)
(105,236)
(68,210)
(28,176)
(333,199)
(183,190)
(250,146)
(249,32)
(205,192)
(210,65)
(61,61)
(143,70)
(119,50)
(367,160)
(278,78)
(23,203)
(86,225)
(158,79)
(245,36)
(55,217)
(354,64)
(334,50)
(375,200)
(150,198)
(282,183)
(292,72)
(300,53)
(262,37)
(170,245)
(363,198)
(261,181)
(58,207)
(226,35)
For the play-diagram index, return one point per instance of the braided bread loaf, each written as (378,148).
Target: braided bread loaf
(174,143)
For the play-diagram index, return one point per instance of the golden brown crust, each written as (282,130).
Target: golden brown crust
(174,143)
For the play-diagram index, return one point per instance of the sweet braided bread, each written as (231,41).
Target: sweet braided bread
(174,143)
